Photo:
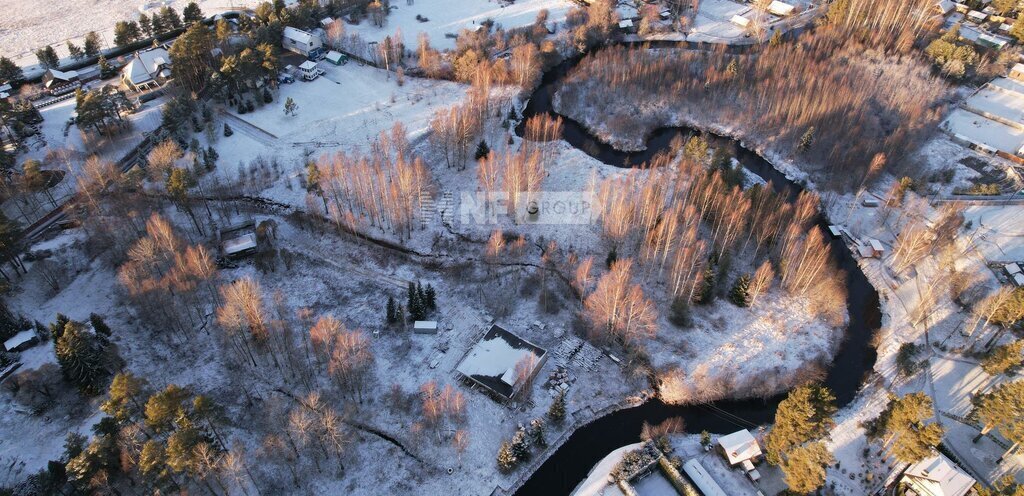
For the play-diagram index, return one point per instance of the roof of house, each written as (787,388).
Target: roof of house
(780,8)
(876,245)
(52,75)
(945,6)
(146,66)
(425,324)
(940,476)
(740,20)
(626,23)
(240,244)
(1011,268)
(1018,279)
(493,361)
(307,65)
(977,15)
(739,446)
(333,56)
(326,21)
(298,35)
(19,339)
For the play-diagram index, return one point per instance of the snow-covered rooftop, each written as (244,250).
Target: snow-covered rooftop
(739,446)
(298,35)
(494,360)
(939,476)
(702,479)
(240,244)
(19,339)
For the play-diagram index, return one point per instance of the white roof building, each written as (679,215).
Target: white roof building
(326,21)
(976,16)
(739,447)
(702,479)
(301,42)
(938,476)
(424,327)
(945,6)
(626,24)
(147,69)
(1012,268)
(20,339)
(780,8)
(740,21)
(1018,279)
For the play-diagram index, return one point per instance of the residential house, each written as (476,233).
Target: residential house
(58,83)
(147,70)
(937,476)
(302,42)
(502,363)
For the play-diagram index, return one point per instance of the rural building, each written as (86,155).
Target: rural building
(626,25)
(1012,269)
(976,16)
(60,82)
(147,70)
(425,327)
(302,43)
(944,7)
(780,8)
(239,240)
(739,447)
(21,341)
(1017,73)
(937,476)
(309,70)
(5,91)
(1018,280)
(992,41)
(326,22)
(702,479)
(740,21)
(336,58)
(502,363)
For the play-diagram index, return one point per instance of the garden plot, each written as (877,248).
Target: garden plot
(449,17)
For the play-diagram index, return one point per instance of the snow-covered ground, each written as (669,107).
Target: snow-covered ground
(27,26)
(446,18)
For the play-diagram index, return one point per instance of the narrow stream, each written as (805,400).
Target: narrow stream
(569,465)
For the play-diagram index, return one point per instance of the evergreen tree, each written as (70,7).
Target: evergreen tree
(482,150)
(804,468)
(679,313)
(210,157)
(706,293)
(125,399)
(903,423)
(612,257)
(537,433)
(165,408)
(91,46)
(48,58)
(807,140)
(740,292)
(227,130)
(1003,359)
(145,26)
(58,326)
(557,410)
(506,459)
(126,33)
(80,356)
(391,312)
(192,13)
(170,18)
(105,69)
(98,325)
(267,97)
(75,51)
(520,445)
(413,303)
(10,72)
(431,298)
(1000,408)
(805,415)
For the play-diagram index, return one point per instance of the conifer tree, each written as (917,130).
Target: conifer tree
(391,313)
(706,294)
(679,313)
(80,356)
(740,293)
(227,130)
(807,140)
(125,399)
(57,327)
(557,410)
(520,446)
(506,459)
(482,150)
(537,433)
(431,298)
(1003,359)
(98,325)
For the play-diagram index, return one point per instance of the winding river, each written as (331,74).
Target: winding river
(571,462)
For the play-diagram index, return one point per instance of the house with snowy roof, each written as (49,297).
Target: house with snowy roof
(937,476)
(60,82)
(502,363)
(302,42)
(740,448)
(147,70)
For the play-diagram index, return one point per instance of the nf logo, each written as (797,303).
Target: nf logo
(536,207)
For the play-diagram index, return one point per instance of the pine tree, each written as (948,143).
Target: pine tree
(192,13)
(807,140)
(91,44)
(414,304)
(431,298)
(58,326)
(210,158)
(391,313)
(105,69)
(679,313)
(1003,359)
(520,446)
(98,325)
(506,459)
(482,150)
(557,410)
(124,401)
(612,257)
(227,130)
(804,468)
(740,293)
(80,356)
(537,433)
(75,51)
(805,415)
(267,97)
(706,294)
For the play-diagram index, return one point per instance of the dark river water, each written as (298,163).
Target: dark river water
(569,465)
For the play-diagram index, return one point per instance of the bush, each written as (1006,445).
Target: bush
(905,363)
(679,313)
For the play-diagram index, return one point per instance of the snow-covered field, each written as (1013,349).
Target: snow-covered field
(29,25)
(449,17)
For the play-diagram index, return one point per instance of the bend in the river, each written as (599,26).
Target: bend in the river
(570,463)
